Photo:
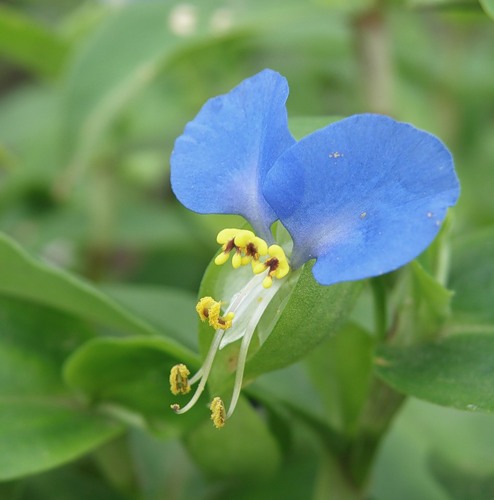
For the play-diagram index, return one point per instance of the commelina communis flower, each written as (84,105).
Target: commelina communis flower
(362,196)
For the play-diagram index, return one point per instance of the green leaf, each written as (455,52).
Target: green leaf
(34,343)
(455,371)
(429,433)
(488,6)
(129,378)
(41,425)
(340,371)
(30,44)
(459,482)
(472,277)
(422,305)
(38,435)
(168,310)
(312,313)
(432,300)
(76,481)
(243,449)
(23,277)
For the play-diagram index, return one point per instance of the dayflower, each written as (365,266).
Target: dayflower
(362,196)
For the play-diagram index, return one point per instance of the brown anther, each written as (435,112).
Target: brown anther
(272,264)
(251,251)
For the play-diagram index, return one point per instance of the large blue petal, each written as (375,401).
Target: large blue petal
(363,196)
(220,161)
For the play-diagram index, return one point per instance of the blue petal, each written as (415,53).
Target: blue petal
(224,154)
(363,196)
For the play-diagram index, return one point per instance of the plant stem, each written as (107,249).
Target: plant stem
(375,62)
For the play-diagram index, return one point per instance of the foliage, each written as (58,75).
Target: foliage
(100,266)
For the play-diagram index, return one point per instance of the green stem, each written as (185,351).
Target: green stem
(380,308)
(101,215)
(382,406)
(375,62)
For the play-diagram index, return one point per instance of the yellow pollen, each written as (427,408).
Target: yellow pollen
(203,307)
(246,245)
(179,380)
(209,309)
(218,413)
(276,263)
(175,407)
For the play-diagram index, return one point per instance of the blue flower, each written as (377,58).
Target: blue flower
(362,196)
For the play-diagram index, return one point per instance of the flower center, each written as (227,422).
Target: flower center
(241,317)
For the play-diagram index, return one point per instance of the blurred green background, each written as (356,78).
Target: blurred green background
(92,96)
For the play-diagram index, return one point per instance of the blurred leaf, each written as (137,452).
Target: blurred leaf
(168,310)
(300,126)
(122,56)
(142,225)
(340,371)
(290,393)
(23,277)
(455,371)
(472,276)
(131,374)
(243,450)
(488,6)
(432,300)
(30,44)
(34,343)
(422,305)
(41,425)
(29,126)
(40,435)
(461,483)
(430,433)
(347,5)
(77,481)
(452,4)
(131,46)
(160,463)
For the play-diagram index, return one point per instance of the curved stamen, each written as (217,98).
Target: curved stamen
(206,368)
(244,347)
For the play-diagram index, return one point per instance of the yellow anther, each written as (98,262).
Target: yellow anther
(226,238)
(175,407)
(218,413)
(276,263)
(179,380)
(282,268)
(209,309)
(236,260)
(247,246)
(203,307)
(226,235)
(258,267)
(221,258)
(243,237)
(254,249)
(214,315)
